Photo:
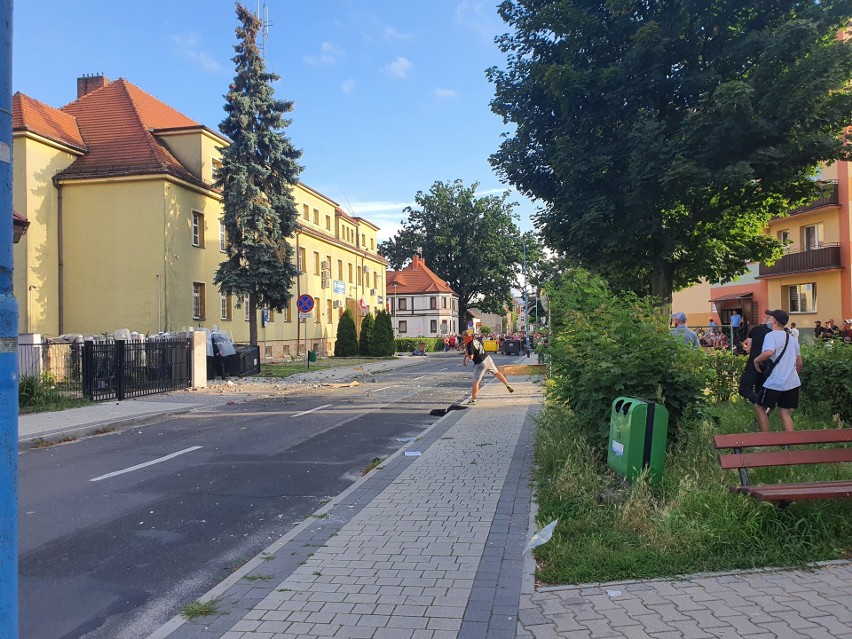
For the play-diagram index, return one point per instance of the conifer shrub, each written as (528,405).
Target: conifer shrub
(381,343)
(347,340)
(366,335)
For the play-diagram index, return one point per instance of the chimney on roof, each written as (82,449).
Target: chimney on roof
(415,260)
(88,83)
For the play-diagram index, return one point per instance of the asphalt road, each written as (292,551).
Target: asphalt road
(112,551)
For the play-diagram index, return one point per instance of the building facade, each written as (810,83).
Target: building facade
(421,303)
(125,228)
(811,281)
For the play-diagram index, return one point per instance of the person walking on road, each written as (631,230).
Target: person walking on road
(781,388)
(474,351)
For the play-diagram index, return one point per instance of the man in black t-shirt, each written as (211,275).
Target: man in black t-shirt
(751,380)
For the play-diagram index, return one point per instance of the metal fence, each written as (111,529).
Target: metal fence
(109,370)
(121,369)
(57,364)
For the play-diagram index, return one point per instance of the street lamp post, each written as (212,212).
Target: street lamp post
(526,301)
(395,320)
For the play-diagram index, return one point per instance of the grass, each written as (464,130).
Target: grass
(286,369)
(689,522)
(375,462)
(199,609)
(42,393)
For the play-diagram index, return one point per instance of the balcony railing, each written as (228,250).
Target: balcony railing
(829,197)
(824,256)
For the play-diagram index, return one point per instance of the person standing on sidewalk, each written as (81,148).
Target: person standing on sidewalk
(751,380)
(474,351)
(781,388)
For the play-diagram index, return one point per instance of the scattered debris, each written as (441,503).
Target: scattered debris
(542,536)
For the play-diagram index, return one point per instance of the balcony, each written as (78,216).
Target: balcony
(829,197)
(826,256)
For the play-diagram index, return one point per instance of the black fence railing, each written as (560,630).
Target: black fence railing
(56,364)
(120,369)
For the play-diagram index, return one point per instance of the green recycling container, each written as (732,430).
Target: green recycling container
(637,438)
(312,356)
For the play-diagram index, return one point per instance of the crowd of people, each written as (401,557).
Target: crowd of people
(830,331)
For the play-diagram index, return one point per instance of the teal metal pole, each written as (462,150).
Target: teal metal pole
(8,350)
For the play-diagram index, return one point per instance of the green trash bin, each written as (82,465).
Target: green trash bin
(312,356)
(637,438)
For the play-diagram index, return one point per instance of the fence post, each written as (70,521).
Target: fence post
(88,368)
(119,368)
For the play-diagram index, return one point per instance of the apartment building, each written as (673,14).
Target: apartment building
(125,228)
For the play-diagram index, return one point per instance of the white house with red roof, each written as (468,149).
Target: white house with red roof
(421,303)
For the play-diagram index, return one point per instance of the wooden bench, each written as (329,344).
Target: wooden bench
(783,494)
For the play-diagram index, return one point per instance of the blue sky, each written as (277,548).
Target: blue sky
(390,95)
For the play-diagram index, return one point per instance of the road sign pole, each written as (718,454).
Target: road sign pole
(8,350)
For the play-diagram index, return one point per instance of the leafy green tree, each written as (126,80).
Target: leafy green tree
(366,335)
(661,137)
(257,175)
(471,242)
(381,341)
(347,340)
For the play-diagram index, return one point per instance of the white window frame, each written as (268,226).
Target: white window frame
(223,237)
(198,229)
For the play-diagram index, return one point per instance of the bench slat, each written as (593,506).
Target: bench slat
(792,492)
(785,458)
(798,437)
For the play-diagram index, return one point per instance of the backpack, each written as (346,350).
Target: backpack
(478,351)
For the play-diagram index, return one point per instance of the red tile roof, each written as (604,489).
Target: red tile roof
(116,121)
(417,278)
(36,117)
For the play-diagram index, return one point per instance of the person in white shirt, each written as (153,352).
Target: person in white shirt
(793,330)
(781,388)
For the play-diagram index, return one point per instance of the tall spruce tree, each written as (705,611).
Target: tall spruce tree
(258,172)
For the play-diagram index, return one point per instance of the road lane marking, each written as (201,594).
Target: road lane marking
(148,463)
(416,378)
(442,369)
(312,410)
(379,390)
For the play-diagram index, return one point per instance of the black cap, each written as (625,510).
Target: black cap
(780,316)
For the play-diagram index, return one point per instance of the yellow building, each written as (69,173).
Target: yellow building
(125,228)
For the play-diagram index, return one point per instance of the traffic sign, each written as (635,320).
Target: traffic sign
(305,303)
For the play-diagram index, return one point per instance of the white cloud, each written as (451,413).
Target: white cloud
(384,214)
(446,93)
(392,34)
(188,45)
(399,68)
(348,86)
(329,53)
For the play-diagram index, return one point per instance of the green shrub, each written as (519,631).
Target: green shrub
(725,369)
(826,371)
(347,341)
(621,347)
(408,344)
(366,335)
(381,342)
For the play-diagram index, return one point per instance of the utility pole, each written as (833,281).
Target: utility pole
(8,350)
(526,301)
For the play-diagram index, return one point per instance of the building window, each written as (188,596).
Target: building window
(340,270)
(350,273)
(317,311)
(316,217)
(198,229)
(403,326)
(328,222)
(372,244)
(811,236)
(802,298)
(245,305)
(328,311)
(198,301)
(403,304)
(285,312)
(301,263)
(443,302)
(433,303)
(358,276)
(433,326)
(316,263)
(306,212)
(223,237)
(225,306)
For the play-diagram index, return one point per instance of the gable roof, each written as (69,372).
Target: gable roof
(116,122)
(36,117)
(417,278)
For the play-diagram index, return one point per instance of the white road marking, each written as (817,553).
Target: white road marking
(416,378)
(149,463)
(312,410)
(379,390)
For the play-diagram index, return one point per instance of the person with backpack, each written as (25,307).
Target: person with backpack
(475,351)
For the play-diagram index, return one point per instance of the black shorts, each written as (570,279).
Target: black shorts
(769,398)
